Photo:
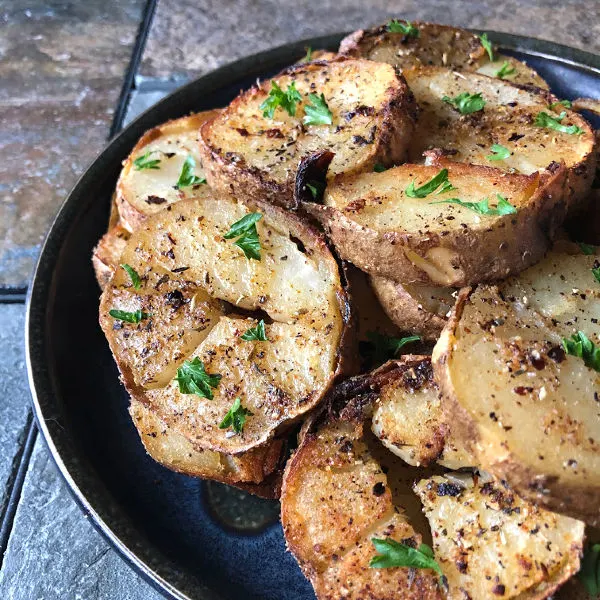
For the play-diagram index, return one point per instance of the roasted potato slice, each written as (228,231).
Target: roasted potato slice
(107,253)
(508,119)
(492,544)
(195,292)
(436,45)
(253,156)
(418,309)
(374,224)
(146,186)
(527,410)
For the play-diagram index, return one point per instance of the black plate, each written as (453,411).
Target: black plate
(192,539)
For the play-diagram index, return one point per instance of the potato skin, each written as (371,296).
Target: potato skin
(105,256)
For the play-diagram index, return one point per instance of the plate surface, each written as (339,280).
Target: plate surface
(194,540)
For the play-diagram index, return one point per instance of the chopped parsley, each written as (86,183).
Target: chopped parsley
(505,70)
(466,103)
(392,554)
(596,271)
(318,112)
(379,168)
(487,44)
(498,152)
(129,317)
(504,207)
(235,417)
(144,161)
(543,119)
(586,249)
(316,188)
(589,575)
(187,177)
(307,57)
(245,231)
(581,346)
(256,333)
(561,104)
(193,379)
(135,278)
(383,347)
(277,97)
(404,27)
(439,181)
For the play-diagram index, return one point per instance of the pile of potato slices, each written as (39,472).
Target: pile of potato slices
(387,258)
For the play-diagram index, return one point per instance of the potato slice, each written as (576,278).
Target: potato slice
(436,45)
(254,156)
(143,192)
(527,411)
(418,309)
(196,286)
(492,544)
(107,253)
(374,224)
(508,119)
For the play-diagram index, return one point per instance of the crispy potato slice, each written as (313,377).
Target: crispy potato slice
(508,119)
(107,253)
(492,544)
(254,156)
(374,224)
(143,192)
(527,411)
(195,286)
(418,309)
(436,45)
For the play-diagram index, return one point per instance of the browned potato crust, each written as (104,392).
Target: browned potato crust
(105,257)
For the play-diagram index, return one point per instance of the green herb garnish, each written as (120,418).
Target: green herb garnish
(129,317)
(245,231)
(487,44)
(505,70)
(379,168)
(596,271)
(405,27)
(256,333)
(441,179)
(144,162)
(135,278)
(187,177)
(307,57)
(587,249)
(383,347)
(581,346)
(543,119)
(394,554)
(193,379)
(316,188)
(589,574)
(561,104)
(318,112)
(504,207)
(466,103)
(235,417)
(287,100)
(498,152)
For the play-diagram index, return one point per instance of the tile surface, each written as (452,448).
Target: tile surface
(61,73)
(191,37)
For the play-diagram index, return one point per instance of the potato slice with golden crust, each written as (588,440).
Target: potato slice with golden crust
(492,544)
(253,156)
(107,253)
(144,191)
(509,119)
(435,45)
(374,224)
(417,309)
(195,288)
(527,411)
(256,471)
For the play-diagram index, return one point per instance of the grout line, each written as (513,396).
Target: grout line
(134,63)
(10,295)
(15,484)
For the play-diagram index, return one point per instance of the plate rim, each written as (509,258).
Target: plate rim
(41,289)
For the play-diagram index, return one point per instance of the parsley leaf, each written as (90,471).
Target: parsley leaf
(581,346)
(316,188)
(129,317)
(596,271)
(235,417)
(379,168)
(307,57)
(466,103)
(287,100)
(394,554)
(487,44)
(405,27)
(499,152)
(561,104)
(504,207)
(441,179)
(144,162)
(318,112)
(256,333)
(586,249)
(135,278)
(543,119)
(589,574)
(383,347)
(193,379)
(245,231)
(505,70)
(187,177)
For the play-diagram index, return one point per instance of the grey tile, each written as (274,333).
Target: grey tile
(54,553)
(142,99)
(14,392)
